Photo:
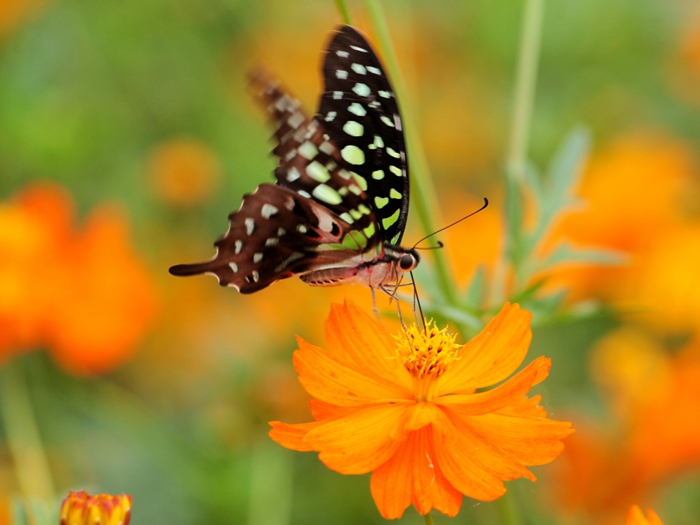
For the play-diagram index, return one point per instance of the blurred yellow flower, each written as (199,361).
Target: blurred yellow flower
(635,516)
(183,171)
(83,294)
(80,508)
(408,410)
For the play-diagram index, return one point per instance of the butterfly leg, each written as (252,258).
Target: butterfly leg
(374,303)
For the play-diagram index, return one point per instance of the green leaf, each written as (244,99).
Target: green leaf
(564,253)
(473,296)
(566,166)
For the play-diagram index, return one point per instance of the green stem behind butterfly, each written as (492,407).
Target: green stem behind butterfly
(423,196)
(344,11)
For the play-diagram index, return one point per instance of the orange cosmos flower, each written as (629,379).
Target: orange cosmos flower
(84,293)
(636,517)
(183,171)
(79,508)
(407,409)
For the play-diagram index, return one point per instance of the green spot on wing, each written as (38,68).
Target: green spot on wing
(360,181)
(353,155)
(354,129)
(380,202)
(318,172)
(355,241)
(327,194)
(395,194)
(370,230)
(387,222)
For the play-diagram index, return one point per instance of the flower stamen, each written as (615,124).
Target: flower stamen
(426,354)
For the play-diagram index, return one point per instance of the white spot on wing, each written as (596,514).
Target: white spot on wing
(341,74)
(238,246)
(357,109)
(296,119)
(257,257)
(359,69)
(359,49)
(268,210)
(361,89)
(249,226)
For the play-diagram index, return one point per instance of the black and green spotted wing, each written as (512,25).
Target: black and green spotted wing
(358,109)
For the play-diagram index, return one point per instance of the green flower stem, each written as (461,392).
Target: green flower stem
(22,433)
(423,194)
(524,92)
(344,11)
(506,510)
(428,519)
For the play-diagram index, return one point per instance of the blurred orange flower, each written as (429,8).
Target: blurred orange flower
(80,508)
(657,409)
(636,517)
(183,171)
(408,410)
(13,12)
(85,295)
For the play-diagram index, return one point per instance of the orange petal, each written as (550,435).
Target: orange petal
(292,436)
(635,516)
(503,395)
(472,464)
(355,337)
(412,476)
(342,384)
(526,440)
(321,410)
(492,355)
(359,443)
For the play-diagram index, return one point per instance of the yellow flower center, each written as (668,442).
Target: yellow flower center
(426,353)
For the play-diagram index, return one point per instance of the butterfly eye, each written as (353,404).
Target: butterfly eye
(406,262)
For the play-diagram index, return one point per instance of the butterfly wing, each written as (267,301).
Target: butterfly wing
(276,234)
(309,163)
(358,110)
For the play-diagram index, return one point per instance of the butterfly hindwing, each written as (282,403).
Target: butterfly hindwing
(275,234)
(358,109)
(310,164)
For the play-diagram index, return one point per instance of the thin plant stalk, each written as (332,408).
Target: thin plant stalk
(24,442)
(524,90)
(506,510)
(423,194)
(429,519)
(344,11)
(523,104)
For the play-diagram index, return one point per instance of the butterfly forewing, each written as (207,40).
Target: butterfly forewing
(358,110)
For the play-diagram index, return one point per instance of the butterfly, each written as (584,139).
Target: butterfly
(339,208)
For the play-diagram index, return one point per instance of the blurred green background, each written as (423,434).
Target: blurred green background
(143,104)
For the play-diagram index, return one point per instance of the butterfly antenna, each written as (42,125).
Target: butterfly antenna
(440,245)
